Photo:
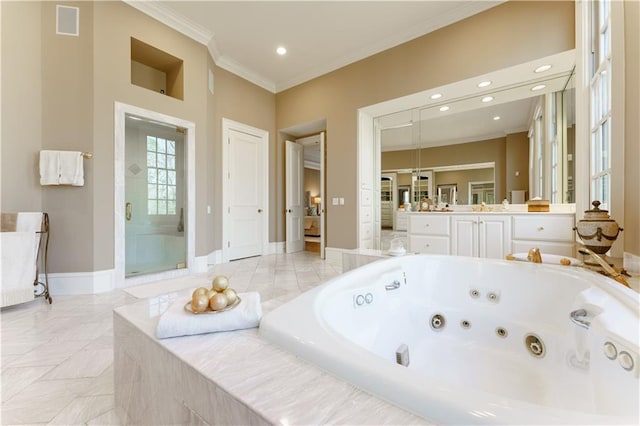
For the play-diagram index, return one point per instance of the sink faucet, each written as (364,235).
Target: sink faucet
(534,255)
(608,269)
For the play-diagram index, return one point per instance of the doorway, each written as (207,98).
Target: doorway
(122,169)
(155,197)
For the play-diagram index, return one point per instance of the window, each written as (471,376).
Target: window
(600,90)
(161,176)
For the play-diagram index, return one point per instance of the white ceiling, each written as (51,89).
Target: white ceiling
(320,36)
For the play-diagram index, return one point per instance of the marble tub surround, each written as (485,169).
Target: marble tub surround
(228,378)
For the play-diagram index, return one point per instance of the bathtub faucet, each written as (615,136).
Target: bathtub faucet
(393,286)
(610,272)
(534,255)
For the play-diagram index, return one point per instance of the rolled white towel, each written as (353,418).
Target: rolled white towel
(176,321)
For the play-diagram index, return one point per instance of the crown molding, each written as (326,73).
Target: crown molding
(168,17)
(239,70)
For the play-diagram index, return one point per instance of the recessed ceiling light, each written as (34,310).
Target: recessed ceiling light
(496,118)
(538,87)
(281,50)
(444,108)
(436,96)
(484,83)
(487,99)
(542,68)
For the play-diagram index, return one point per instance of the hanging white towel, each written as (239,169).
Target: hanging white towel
(49,163)
(61,168)
(71,170)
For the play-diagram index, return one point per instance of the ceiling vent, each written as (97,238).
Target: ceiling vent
(67,20)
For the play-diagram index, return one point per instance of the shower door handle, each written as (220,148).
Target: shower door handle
(128,211)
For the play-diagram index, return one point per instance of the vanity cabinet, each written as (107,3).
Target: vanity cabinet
(429,233)
(490,235)
(486,236)
(551,233)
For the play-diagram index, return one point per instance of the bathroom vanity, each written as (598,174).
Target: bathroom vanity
(490,234)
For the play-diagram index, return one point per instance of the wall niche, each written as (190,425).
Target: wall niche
(156,70)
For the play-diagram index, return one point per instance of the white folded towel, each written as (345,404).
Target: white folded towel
(71,170)
(49,163)
(61,168)
(176,321)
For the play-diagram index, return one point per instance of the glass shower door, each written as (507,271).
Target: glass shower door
(155,186)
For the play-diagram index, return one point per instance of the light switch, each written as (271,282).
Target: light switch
(334,201)
(341,201)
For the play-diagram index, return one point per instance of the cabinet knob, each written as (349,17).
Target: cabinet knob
(541,228)
(259,210)
(481,221)
(426,226)
(427,245)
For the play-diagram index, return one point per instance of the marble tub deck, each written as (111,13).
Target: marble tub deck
(228,378)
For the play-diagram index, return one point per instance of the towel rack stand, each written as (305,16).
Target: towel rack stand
(42,287)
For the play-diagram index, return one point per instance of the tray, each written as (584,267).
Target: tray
(187,307)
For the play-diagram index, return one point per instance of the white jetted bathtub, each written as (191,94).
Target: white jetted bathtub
(465,341)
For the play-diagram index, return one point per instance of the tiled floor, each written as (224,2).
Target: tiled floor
(57,360)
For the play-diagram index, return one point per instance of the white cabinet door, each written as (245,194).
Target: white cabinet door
(480,236)
(464,236)
(494,236)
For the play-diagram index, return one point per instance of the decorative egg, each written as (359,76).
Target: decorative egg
(220,283)
(217,302)
(231,294)
(211,293)
(200,290)
(199,303)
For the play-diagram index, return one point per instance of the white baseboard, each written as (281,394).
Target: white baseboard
(215,257)
(200,264)
(631,263)
(74,283)
(277,247)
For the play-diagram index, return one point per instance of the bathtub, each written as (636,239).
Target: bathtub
(461,340)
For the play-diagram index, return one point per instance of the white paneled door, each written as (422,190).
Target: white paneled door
(294,175)
(245,209)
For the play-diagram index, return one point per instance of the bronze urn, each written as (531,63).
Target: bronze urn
(597,230)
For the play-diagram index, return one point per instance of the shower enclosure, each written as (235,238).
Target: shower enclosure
(155,195)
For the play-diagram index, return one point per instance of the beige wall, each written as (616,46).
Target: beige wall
(62,91)
(21,106)
(632,128)
(517,150)
(503,36)
(239,100)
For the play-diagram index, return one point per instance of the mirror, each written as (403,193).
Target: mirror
(486,146)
